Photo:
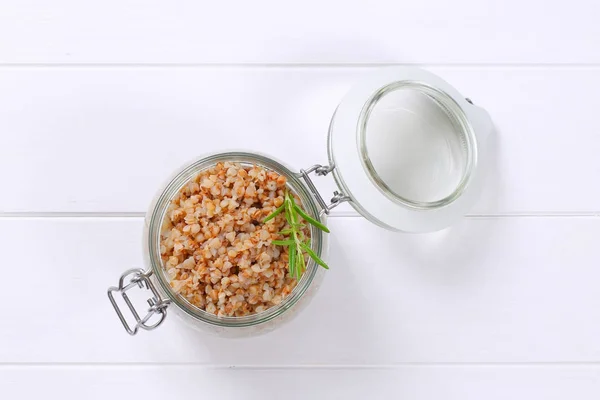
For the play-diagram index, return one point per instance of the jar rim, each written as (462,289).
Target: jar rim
(454,113)
(367,197)
(158,213)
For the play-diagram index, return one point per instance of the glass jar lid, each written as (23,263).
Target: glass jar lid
(407,149)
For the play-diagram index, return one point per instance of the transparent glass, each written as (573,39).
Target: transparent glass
(416,145)
(233,326)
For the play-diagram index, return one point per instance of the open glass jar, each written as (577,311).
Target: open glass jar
(405,149)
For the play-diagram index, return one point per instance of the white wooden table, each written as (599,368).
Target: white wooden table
(100,101)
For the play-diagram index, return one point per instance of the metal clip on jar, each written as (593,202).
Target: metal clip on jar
(406,151)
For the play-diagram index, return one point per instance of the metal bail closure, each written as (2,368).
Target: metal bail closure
(321,170)
(139,278)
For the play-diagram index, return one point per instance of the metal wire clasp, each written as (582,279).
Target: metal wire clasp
(140,278)
(321,170)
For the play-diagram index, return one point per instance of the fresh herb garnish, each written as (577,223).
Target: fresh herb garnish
(295,239)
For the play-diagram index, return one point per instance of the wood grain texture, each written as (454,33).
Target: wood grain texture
(487,290)
(314,31)
(104,139)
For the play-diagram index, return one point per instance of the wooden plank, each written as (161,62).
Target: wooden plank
(412,382)
(314,31)
(488,290)
(104,139)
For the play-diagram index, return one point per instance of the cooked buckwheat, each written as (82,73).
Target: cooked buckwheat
(215,248)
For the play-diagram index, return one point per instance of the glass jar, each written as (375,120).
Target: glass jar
(157,281)
(405,149)
(409,150)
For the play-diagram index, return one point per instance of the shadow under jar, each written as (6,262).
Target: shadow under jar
(405,149)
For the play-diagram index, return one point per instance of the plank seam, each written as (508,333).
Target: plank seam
(301,65)
(348,214)
(25,365)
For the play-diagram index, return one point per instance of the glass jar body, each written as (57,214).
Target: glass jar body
(233,326)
